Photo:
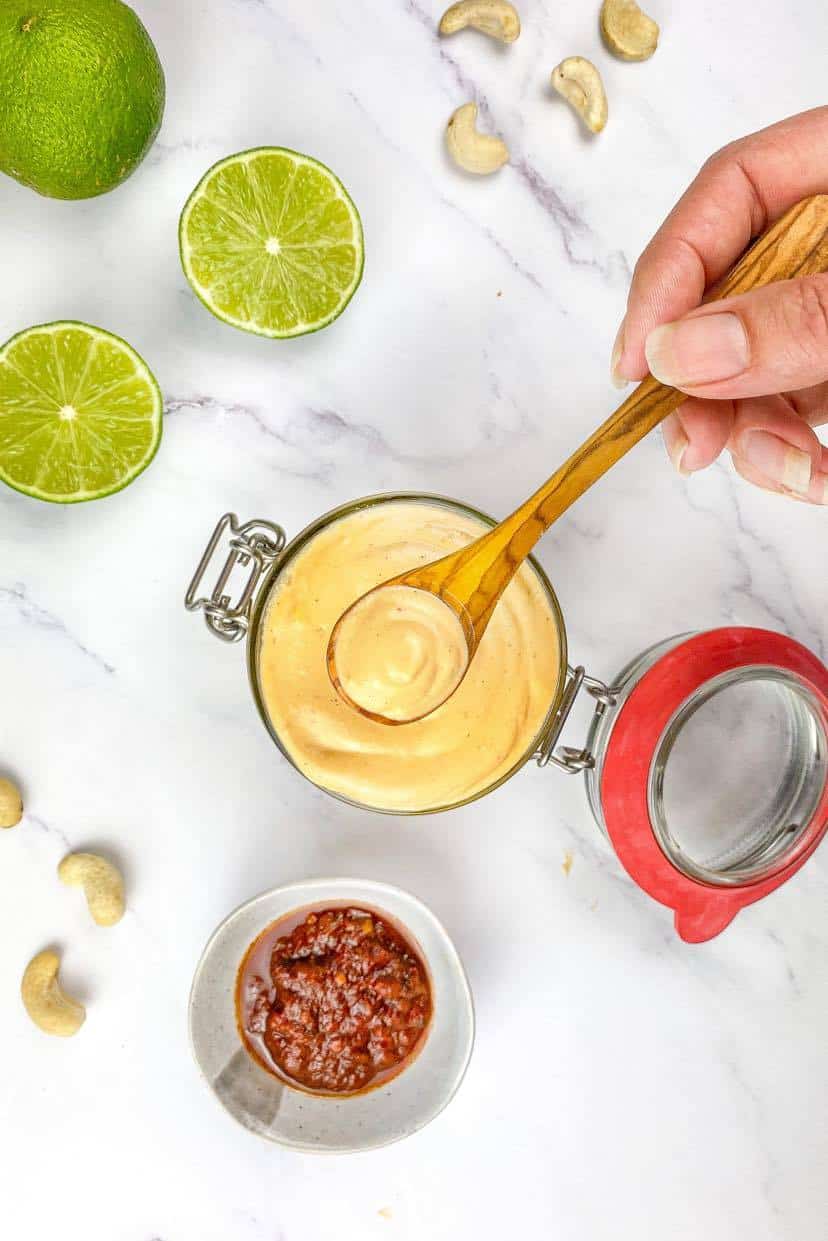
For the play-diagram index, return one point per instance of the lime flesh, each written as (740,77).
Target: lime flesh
(272,243)
(80,413)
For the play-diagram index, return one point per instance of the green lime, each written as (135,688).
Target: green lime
(272,243)
(80,413)
(82,91)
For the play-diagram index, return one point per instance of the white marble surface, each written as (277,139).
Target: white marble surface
(682,1091)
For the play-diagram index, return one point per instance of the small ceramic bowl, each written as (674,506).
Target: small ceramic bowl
(268,1106)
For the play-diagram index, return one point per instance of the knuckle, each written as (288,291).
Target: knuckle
(642,271)
(809,314)
(639,269)
(724,156)
(712,162)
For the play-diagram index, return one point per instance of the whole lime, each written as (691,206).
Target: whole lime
(81,94)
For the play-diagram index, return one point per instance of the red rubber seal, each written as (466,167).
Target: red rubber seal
(701,910)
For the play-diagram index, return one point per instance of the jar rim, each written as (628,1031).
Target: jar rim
(299,541)
(783,834)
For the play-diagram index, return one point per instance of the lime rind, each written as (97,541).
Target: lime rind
(233,214)
(114,394)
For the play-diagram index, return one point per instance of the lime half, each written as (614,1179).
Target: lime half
(272,243)
(80,413)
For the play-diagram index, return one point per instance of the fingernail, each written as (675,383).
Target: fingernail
(676,444)
(698,351)
(777,459)
(618,348)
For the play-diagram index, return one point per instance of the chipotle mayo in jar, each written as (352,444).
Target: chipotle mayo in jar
(491,725)
(466,746)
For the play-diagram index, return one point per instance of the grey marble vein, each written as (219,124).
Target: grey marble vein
(785,610)
(312,430)
(613,266)
(49,830)
(17,600)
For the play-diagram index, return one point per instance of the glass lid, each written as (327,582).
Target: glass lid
(738,775)
(712,771)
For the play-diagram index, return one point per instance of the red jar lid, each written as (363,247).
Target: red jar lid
(701,909)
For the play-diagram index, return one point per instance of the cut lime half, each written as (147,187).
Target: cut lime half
(80,413)
(272,243)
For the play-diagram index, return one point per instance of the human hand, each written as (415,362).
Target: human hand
(755,367)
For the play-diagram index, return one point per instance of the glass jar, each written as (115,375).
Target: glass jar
(259,547)
(706,760)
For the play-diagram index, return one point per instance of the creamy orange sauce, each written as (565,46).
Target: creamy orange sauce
(400,652)
(487,727)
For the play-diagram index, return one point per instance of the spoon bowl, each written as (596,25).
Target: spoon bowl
(429,640)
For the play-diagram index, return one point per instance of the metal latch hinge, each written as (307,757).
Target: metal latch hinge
(566,758)
(257,544)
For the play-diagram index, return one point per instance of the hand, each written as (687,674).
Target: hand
(755,367)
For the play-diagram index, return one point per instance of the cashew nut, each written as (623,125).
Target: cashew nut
(11,804)
(101,882)
(627,31)
(496,18)
(476,152)
(47,1004)
(580,84)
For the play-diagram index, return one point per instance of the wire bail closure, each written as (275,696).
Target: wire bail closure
(255,543)
(566,758)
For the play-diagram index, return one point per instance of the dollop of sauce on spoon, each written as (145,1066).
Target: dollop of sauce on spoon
(399,653)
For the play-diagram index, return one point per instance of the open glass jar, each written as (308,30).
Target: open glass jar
(706,762)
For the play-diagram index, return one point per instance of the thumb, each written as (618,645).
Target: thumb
(772,340)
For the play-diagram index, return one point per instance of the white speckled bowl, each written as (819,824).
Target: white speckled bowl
(274,1110)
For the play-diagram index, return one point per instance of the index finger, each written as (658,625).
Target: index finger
(740,191)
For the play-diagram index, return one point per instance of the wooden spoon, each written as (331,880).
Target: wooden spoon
(471,580)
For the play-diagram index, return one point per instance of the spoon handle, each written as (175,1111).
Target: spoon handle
(796,245)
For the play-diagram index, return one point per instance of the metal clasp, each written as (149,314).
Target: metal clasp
(567,759)
(256,543)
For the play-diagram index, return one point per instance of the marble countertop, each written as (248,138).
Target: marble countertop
(683,1090)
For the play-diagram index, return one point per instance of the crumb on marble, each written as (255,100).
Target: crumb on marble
(385,1212)
(566,864)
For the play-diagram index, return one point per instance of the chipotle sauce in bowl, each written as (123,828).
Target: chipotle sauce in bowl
(336,1000)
